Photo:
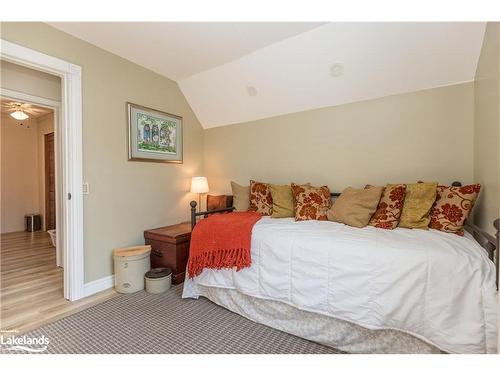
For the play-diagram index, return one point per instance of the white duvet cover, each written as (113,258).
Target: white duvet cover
(437,286)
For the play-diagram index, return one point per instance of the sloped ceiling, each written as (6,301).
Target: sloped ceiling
(180,49)
(236,72)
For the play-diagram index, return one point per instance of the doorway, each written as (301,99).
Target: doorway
(68,155)
(31,281)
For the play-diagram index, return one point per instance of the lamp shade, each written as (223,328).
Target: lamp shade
(199,185)
(19,115)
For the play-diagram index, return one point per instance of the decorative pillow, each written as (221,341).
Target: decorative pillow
(215,202)
(261,199)
(310,202)
(452,207)
(417,206)
(282,201)
(241,196)
(355,207)
(389,208)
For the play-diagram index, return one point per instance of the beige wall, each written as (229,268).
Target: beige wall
(487,128)
(424,135)
(125,197)
(19,176)
(45,125)
(19,78)
(23,170)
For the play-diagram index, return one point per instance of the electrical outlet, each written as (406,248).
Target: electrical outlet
(85,188)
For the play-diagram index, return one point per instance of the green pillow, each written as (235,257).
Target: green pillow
(282,201)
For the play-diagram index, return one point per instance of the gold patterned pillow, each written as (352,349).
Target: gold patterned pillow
(417,206)
(311,203)
(261,199)
(389,208)
(452,207)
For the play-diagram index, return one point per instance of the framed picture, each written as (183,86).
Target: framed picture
(153,136)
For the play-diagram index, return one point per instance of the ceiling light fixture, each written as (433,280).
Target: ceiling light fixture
(336,70)
(251,91)
(19,115)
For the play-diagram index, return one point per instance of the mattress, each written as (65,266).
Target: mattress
(435,286)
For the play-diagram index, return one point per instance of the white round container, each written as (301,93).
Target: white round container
(130,266)
(156,284)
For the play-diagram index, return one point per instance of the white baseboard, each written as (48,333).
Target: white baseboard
(99,285)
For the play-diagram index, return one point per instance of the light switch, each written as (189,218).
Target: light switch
(85,188)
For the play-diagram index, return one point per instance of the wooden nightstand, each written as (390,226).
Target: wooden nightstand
(170,248)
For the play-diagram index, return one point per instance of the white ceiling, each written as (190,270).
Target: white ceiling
(236,72)
(180,49)
(7,106)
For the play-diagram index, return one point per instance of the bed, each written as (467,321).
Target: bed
(363,290)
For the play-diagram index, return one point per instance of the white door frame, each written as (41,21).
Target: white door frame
(70,160)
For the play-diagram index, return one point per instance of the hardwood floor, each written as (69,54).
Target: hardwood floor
(31,285)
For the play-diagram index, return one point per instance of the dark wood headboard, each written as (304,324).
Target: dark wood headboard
(490,243)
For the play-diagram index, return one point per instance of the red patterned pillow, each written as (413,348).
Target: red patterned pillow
(311,203)
(452,207)
(389,208)
(261,199)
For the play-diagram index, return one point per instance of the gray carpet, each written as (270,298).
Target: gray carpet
(166,323)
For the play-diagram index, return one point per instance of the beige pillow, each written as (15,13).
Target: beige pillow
(241,196)
(355,207)
(419,199)
(282,201)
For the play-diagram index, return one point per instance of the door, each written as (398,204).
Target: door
(50,183)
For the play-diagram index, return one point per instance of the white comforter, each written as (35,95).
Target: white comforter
(437,286)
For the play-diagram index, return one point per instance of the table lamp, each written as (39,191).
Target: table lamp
(199,185)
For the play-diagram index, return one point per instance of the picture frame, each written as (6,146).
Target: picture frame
(153,135)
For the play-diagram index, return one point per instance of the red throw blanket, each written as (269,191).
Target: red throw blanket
(222,241)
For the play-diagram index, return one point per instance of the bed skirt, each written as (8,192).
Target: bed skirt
(336,333)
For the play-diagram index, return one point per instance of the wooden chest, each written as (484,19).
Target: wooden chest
(170,248)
